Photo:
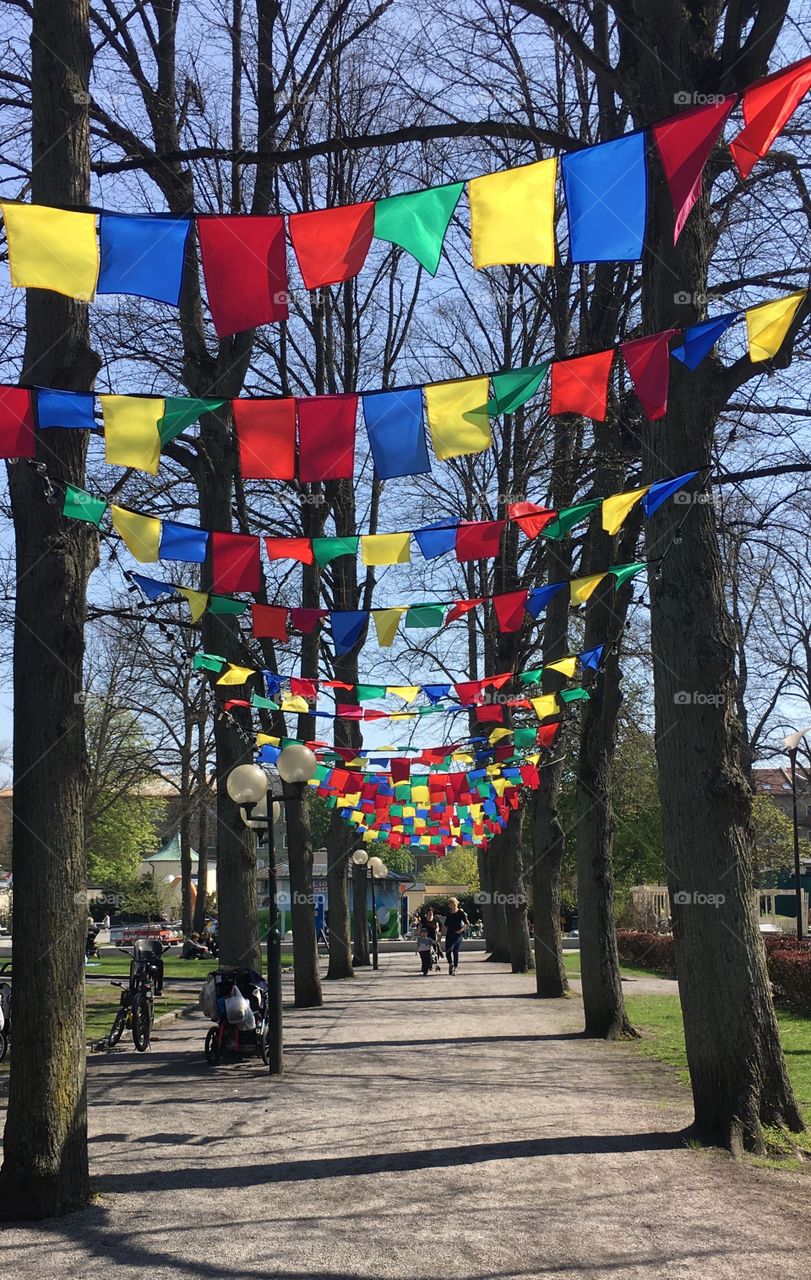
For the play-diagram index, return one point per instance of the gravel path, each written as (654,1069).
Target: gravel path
(426,1128)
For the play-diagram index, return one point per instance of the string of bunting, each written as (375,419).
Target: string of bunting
(313,438)
(512,215)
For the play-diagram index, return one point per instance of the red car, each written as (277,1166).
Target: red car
(166,933)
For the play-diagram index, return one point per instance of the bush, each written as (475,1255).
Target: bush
(790,974)
(647,950)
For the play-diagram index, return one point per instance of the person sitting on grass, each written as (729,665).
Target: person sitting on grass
(193,948)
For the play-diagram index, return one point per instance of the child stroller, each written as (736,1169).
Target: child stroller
(237,1001)
(5,1009)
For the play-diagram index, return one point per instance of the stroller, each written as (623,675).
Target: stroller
(237,1001)
(5,1009)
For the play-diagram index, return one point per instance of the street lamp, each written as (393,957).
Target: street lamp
(248,786)
(792,743)
(377,870)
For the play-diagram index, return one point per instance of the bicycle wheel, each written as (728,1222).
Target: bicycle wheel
(141,1023)
(118,1027)
(262,1038)
(3,1045)
(213,1049)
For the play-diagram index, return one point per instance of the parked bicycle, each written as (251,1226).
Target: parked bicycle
(136,1011)
(5,1008)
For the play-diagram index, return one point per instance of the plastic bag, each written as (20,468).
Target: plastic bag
(236,1008)
(208,1000)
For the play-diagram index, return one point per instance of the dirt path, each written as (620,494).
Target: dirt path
(426,1129)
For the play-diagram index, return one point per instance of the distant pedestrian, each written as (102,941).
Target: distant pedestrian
(427,939)
(456,925)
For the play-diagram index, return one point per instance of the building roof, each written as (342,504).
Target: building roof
(775,782)
(170,851)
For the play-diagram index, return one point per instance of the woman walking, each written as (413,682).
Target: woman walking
(456,925)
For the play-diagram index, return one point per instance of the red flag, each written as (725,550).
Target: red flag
(235,564)
(331,244)
(16,423)
(306,620)
(685,142)
(348,711)
(478,539)
(490,713)
(303,688)
(326,428)
(468,690)
(290,549)
(497,682)
(266,432)
(529,517)
(530,776)
(547,733)
(337,684)
(648,361)
(245,269)
(766,108)
(581,385)
(510,610)
(459,609)
(269,620)
(400,770)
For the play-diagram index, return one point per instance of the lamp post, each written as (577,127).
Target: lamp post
(792,743)
(248,787)
(377,870)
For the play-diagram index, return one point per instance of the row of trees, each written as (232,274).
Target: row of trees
(301,107)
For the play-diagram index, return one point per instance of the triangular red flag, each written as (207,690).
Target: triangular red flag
(766,108)
(459,609)
(581,385)
(529,517)
(648,361)
(510,610)
(685,142)
(306,620)
(331,244)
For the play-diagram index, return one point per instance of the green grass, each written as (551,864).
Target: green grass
(571,961)
(173,967)
(101,1006)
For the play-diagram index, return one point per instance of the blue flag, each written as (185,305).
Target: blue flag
(700,339)
(606,200)
(539,597)
(182,542)
(347,628)
(437,539)
(65,409)
(394,424)
(142,255)
(659,493)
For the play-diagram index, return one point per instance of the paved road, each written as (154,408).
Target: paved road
(426,1128)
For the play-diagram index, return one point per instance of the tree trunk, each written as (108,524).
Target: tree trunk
(306,978)
(515,906)
(185,837)
(45,1171)
(360,917)
(498,943)
(547,852)
(339,844)
(203,800)
(737,1070)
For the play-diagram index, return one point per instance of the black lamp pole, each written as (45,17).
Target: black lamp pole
(792,755)
(374,922)
(274,948)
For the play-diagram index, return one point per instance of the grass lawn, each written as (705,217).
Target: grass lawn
(173,967)
(571,962)
(101,1006)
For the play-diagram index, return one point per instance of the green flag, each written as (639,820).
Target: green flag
(624,572)
(425,615)
(524,737)
(512,389)
(267,704)
(226,604)
(569,516)
(367,691)
(574,695)
(208,662)
(531,677)
(180,412)
(80,505)
(418,221)
(327,549)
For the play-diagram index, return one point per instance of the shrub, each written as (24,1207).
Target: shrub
(790,974)
(647,950)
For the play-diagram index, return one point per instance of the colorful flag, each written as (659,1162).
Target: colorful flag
(385,548)
(546,705)
(767,106)
(565,666)
(143,255)
(266,434)
(685,143)
(269,621)
(768,324)
(65,409)
(181,412)
(235,563)
(529,517)
(606,200)
(624,572)
(580,589)
(52,249)
(407,692)
(394,424)
(425,615)
(647,361)
(512,215)
(80,505)
(514,388)
(131,436)
(478,539)
(182,542)
(418,221)
(306,620)
(437,539)
(152,588)
(539,597)
(331,244)
(326,550)
(457,416)
(664,489)
(17,438)
(459,609)
(198,602)
(568,517)
(347,628)
(234,674)
(245,270)
(141,534)
(699,339)
(326,427)
(300,549)
(616,508)
(510,608)
(592,657)
(581,385)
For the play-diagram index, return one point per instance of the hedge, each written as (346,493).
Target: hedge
(788,961)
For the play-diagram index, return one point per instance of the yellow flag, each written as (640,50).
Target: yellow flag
(566,667)
(512,215)
(386,548)
(617,507)
(198,602)
(52,249)
(457,416)
(425,839)
(499,786)
(386,623)
(403,715)
(420,795)
(294,702)
(768,324)
(581,588)
(236,675)
(409,811)
(267,740)
(131,435)
(407,692)
(369,835)
(498,734)
(547,705)
(142,534)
